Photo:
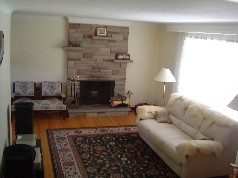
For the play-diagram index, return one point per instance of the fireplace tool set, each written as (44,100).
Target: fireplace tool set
(74,81)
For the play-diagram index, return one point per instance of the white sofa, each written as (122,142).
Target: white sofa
(199,142)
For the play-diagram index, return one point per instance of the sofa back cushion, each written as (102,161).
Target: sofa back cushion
(220,127)
(177,106)
(193,120)
(202,122)
(187,115)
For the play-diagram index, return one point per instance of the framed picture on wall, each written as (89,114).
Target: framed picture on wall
(101,31)
(1,46)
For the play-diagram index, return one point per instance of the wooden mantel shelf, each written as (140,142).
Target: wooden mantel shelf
(73,48)
(82,49)
(124,61)
(102,38)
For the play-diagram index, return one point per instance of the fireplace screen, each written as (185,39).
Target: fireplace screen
(96,91)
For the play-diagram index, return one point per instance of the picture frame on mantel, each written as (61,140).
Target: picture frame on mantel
(101,31)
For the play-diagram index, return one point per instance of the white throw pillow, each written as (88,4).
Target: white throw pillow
(162,116)
(148,115)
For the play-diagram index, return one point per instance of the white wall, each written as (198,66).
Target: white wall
(5,94)
(144,50)
(37,48)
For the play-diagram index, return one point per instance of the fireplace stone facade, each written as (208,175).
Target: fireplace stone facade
(92,57)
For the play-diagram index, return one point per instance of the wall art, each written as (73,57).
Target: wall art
(101,31)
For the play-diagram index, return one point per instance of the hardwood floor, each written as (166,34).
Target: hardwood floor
(54,120)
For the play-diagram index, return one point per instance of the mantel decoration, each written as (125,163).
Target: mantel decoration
(122,56)
(1,46)
(75,44)
(74,79)
(101,31)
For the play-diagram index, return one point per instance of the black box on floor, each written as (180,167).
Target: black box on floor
(19,161)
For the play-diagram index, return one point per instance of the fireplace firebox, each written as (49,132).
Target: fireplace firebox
(96,91)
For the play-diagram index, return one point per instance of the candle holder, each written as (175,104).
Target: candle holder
(74,79)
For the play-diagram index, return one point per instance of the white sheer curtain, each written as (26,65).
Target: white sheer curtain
(209,68)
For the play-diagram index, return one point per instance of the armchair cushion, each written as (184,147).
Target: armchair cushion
(51,88)
(24,88)
(51,104)
(40,105)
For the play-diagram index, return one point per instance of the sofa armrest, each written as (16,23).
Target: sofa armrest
(191,147)
(147,111)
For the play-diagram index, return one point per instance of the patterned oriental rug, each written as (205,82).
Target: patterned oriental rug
(104,152)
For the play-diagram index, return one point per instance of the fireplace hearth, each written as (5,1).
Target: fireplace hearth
(93,92)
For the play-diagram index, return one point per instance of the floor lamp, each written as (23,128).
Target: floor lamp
(164,76)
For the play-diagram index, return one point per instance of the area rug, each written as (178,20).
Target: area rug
(103,152)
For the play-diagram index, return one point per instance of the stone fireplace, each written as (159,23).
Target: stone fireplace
(92,58)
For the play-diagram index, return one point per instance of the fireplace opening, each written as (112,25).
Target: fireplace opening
(96,91)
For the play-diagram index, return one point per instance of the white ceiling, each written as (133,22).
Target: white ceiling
(130,10)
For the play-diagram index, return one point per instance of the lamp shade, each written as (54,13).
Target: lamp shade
(165,75)
(234,103)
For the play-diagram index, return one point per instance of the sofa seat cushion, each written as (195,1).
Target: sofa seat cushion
(39,105)
(151,124)
(161,134)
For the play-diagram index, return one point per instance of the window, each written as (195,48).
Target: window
(209,69)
